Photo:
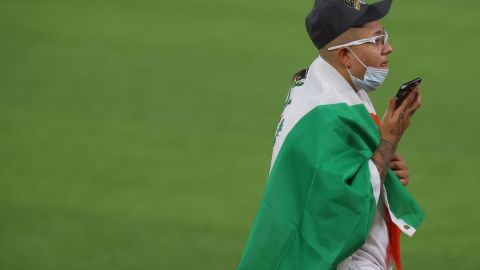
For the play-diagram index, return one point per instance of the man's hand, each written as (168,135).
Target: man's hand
(394,124)
(400,168)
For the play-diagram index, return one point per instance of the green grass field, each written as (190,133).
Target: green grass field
(138,134)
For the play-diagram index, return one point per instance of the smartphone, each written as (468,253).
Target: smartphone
(404,90)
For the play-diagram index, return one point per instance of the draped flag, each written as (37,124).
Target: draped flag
(322,191)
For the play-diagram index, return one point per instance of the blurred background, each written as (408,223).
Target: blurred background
(138,134)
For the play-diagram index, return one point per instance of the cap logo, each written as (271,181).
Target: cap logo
(355,3)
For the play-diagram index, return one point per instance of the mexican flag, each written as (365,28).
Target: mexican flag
(323,189)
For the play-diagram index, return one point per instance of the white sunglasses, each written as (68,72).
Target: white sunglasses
(383,38)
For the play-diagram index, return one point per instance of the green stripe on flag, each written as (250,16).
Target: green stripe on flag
(318,204)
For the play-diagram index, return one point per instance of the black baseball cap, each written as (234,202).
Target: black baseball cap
(330,18)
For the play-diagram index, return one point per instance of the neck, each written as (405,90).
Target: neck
(339,67)
(343,71)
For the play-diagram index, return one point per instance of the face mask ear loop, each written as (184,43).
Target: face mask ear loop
(348,70)
(357,57)
(351,77)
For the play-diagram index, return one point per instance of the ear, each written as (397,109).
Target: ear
(344,57)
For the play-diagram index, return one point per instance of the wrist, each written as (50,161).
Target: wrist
(383,155)
(391,137)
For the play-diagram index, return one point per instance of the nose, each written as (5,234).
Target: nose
(387,49)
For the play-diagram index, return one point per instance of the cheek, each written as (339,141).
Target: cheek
(374,58)
(358,70)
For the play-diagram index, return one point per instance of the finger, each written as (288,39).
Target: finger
(415,105)
(418,100)
(390,107)
(411,113)
(398,165)
(396,157)
(402,174)
(413,94)
(412,107)
(408,100)
(394,166)
(404,181)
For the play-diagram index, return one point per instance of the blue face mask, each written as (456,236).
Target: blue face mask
(373,78)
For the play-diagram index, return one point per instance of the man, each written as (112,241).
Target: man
(335,197)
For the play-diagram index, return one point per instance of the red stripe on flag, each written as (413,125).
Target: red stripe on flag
(394,237)
(375,118)
(393,231)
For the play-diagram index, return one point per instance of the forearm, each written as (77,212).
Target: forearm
(383,155)
(394,123)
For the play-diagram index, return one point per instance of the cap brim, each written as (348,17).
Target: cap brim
(374,12)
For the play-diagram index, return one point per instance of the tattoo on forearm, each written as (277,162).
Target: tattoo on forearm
(383,155)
